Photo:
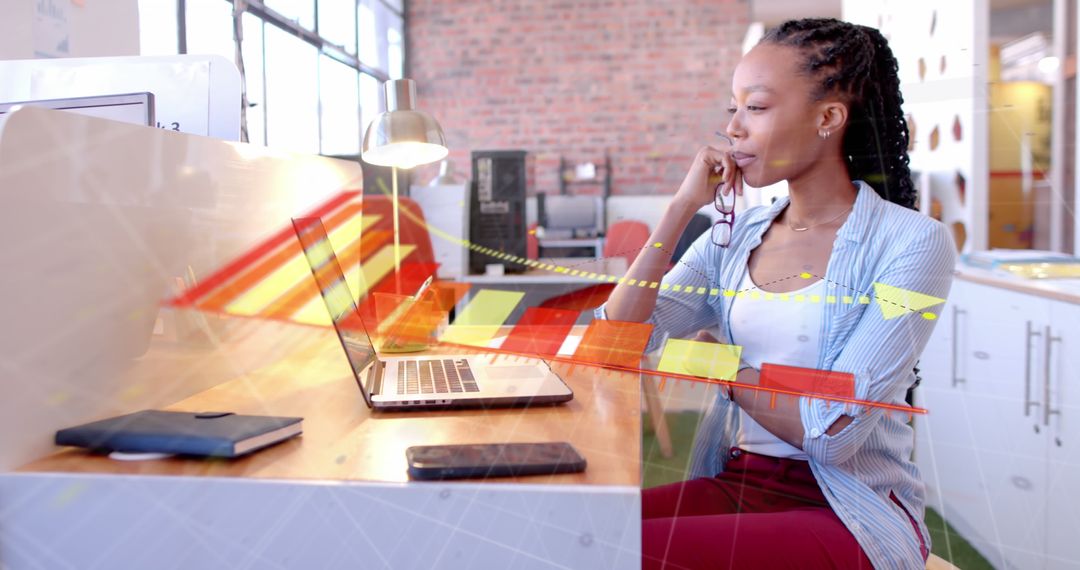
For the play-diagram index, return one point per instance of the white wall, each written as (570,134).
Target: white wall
(929,30)
(96,28)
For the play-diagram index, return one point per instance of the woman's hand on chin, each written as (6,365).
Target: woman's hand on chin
(712,166)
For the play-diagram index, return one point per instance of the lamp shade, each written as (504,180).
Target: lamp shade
(402,136)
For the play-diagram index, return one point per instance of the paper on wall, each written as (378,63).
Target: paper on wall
(52,28)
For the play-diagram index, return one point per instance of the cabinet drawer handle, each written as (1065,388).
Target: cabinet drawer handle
(1027,369)
(982,355)
(1047,410)
(956,312)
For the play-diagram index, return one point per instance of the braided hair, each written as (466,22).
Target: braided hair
(855,62)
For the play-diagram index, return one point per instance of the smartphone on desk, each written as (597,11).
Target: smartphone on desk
(492,460)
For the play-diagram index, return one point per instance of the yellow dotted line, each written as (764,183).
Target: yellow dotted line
(676,288)
(712,292)
(600,277)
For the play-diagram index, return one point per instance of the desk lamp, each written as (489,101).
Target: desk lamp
(402,137)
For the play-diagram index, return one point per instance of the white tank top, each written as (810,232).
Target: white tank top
(778,328)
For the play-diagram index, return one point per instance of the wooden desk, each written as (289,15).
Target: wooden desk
(338,496)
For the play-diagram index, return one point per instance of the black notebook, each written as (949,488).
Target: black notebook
(217,434)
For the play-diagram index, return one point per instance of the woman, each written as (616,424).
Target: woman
(801,482)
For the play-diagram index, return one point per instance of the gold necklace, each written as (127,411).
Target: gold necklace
(795,229)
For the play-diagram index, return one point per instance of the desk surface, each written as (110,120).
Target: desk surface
(344,440)
(1067,290)
(607,266)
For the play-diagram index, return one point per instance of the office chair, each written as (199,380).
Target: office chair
(625,239)
(698,225)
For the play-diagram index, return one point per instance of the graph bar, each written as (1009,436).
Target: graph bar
(613,343)
(252,256)
(808,381)
(374,270)
(479,322)
(304,291)
(285,264)
(540,331)
(275,282)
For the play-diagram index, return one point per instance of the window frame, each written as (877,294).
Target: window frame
(323,46)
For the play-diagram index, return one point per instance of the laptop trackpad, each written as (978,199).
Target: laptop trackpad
(514,372)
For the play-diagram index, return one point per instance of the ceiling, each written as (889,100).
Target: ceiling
(1006,4)
(773,12)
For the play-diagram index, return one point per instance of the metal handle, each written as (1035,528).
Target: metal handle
(956,312)
(1027,369)
(1047,410)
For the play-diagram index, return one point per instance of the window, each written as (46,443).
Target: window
(337,23)
(292,92)
(340,98)
(157,27)
(301,12)
(255,82)
(210,28)
(313,69)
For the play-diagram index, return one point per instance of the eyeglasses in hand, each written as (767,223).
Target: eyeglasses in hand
(721,230)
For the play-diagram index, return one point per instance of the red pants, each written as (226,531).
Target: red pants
(761,512)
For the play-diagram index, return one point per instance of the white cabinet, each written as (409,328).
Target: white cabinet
(1001,383)
(1062,424)
(999,359)
(945,448)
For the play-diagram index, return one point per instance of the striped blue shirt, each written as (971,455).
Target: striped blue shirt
(860,468)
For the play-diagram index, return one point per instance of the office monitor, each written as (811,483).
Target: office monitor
(135,108)
(576,216)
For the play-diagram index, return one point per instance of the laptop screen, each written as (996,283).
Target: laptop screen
(335,293)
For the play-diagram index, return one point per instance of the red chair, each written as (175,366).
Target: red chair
(624,239)
(532,243)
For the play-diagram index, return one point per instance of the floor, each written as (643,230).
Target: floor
(659,470)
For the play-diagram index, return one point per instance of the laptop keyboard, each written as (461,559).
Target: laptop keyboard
(435,377)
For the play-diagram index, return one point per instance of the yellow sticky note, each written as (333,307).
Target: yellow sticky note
(696,358)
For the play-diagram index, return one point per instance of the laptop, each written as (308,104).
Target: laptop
(420,382)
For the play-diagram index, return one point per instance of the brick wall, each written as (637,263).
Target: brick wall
(644,80)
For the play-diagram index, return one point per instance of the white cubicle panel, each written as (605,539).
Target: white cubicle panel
(99,222)
(115,521)
(446,212)
(196,94)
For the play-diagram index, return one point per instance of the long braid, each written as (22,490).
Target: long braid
(856,62)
